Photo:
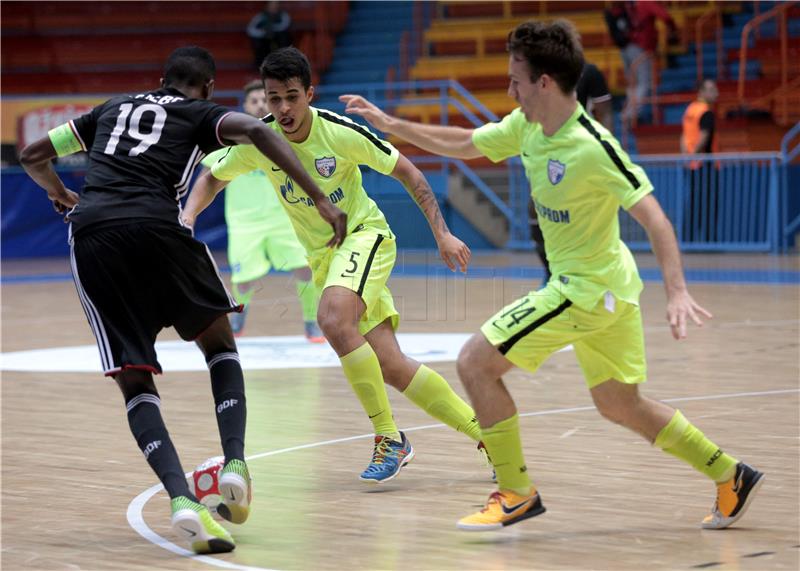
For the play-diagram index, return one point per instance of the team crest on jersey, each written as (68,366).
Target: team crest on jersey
(555,171)
(326,166)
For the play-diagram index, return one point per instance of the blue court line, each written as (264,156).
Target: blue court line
(694,275)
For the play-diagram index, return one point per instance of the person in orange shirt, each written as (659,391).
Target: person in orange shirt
(699,137)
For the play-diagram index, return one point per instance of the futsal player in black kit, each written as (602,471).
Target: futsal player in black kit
(138,268)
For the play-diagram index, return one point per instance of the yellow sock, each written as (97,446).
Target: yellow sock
(505,449)
(362,369)
(430,392)
(683,440)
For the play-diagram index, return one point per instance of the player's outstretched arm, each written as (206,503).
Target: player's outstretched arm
(680,304)
(36,160)
(242,128)
(444,140)
(452,250)
(205,188)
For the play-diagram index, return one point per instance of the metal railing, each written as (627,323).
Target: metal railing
(714,14)
(788,154)
(779,13)
(728,203)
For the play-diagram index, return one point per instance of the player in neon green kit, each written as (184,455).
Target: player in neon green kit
(579,177)
(260,236)
(356,310)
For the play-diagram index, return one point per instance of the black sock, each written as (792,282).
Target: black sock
(227,384)
(147,426)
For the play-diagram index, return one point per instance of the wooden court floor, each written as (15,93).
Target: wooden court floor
(71,472)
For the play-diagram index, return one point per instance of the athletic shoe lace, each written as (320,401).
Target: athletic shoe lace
(494,498)
(382,449)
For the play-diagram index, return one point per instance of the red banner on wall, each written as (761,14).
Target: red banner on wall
(35,124)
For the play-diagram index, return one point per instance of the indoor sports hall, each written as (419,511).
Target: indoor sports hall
(76,493)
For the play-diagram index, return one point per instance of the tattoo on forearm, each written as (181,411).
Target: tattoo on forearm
(426,200)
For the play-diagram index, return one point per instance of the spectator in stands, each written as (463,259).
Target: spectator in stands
(269,30)
(633,27)
(592,92)
(699,137)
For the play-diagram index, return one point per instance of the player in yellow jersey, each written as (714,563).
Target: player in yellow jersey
(356,310)
(260,236)
(579,178)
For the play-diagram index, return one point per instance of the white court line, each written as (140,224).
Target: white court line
(136,518)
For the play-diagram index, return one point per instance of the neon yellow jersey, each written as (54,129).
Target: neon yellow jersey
(331,154)
(250,201)
(579,178)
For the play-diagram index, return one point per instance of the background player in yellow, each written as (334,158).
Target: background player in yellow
(356,310)
(579,178)
(260,235)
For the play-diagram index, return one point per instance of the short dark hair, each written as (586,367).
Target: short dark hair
(553,49)
(189,66)
(286,63)
(251,86)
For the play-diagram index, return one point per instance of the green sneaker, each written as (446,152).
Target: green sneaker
(193,521)
(236,489)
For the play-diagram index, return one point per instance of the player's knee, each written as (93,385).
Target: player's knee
(334,325)
(618,406)
(611,412)
(469,364)
(134,382)
(328,322)
(217,339)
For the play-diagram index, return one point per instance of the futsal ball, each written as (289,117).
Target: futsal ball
(205,482)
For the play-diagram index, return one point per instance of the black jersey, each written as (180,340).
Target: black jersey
(591,86)
(143,150)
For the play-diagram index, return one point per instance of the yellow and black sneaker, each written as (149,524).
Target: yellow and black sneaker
(193,521)
(236,489)
(734,497)
(504,507)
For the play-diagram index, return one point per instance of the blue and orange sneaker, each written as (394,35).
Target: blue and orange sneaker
(313,332)
(387,458)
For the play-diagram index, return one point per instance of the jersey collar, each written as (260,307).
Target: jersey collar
(567,125)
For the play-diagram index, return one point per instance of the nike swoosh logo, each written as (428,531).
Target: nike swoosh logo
(275,170)
(374,415)
(512,509)
(189,531)
(738,485)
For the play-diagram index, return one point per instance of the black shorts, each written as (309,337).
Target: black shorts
(135,278)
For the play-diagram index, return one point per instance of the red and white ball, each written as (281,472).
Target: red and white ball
(205,482)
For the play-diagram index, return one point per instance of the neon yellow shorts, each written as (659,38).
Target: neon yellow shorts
(608,341)
(253,252)
(363,264)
